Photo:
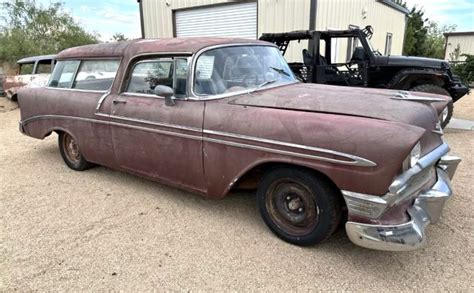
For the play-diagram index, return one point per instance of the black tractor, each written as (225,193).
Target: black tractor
(363,66)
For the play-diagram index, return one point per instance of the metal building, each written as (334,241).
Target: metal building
(251,18)
(457,44)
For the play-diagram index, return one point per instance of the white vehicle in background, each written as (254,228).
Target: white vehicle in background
(32,71)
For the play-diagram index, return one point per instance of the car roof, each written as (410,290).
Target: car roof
(144,46)
(33,59)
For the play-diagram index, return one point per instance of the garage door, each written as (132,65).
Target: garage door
(231,20)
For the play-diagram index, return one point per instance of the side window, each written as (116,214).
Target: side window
(26,68)
(96,75)
(63,74)
(147,74)
(44,66)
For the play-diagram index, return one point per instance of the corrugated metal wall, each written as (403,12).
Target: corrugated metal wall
(465,42)
(339,14)
(287,15)
(278,16)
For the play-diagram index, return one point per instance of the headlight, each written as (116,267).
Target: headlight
(415,154)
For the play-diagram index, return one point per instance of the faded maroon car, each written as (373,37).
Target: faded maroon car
(212,115)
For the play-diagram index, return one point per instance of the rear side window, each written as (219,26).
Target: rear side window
(63,74)
(96,75)
(85,75)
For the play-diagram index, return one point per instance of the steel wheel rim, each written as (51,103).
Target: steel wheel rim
(71,149)
(292,207)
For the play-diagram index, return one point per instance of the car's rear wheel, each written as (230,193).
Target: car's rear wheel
(299,206)
(71,153)
(436,89)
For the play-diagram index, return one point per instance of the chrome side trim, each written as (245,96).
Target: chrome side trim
(354,160)
(45,117)
(280,152)
(161,124)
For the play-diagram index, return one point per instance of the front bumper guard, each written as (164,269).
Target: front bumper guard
(426,209)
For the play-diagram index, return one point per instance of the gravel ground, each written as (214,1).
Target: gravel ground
(107,230)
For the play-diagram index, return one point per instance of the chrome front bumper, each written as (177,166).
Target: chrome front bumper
(426,208)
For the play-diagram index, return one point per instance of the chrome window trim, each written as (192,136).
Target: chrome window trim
(75,90)
(131,62)
(363,162)
(193,96)
(101,100)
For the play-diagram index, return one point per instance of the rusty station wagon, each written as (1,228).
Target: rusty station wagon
(211,115)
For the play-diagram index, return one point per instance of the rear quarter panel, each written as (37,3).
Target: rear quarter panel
(44,110)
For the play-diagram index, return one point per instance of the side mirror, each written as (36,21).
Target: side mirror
(167,93)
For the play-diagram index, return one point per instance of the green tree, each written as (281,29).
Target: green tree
(416,33)
(118,37)
(465,69)
(423,37)
(27,28)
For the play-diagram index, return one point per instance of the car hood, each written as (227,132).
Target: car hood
(361,102)
(410,61)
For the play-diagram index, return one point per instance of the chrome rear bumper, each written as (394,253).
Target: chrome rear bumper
(426,208)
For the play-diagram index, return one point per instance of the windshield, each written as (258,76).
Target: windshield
(240,68)
(371,48)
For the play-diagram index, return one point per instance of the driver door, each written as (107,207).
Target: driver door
(154,139)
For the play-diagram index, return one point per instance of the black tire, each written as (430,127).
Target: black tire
(288,199)
(436,89)
(71,153)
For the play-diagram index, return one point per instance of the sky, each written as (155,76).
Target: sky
(107,17)
(445,12)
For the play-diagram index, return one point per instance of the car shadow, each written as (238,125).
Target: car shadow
(241,205)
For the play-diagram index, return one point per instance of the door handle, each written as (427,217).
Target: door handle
(119,101)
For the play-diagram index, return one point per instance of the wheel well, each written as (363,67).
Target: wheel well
(420,79)
(250,179)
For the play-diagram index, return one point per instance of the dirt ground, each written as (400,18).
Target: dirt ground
(107,230)
(464,108)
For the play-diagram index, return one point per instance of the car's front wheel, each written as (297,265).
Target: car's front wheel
(299,206)
(71,153)
(436,89)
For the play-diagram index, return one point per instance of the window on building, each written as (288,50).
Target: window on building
(388,44)
(96,75)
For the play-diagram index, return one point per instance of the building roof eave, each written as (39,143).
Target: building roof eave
(395,6)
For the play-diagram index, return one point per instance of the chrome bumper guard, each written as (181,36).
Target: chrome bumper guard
(426,208)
